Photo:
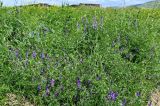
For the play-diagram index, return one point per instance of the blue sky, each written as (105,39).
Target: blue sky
(104,3)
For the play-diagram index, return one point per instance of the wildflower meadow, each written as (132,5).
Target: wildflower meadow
(65,56)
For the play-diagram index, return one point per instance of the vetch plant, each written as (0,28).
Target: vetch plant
(102,61)
(47,91)
(42,55)
(112,95)
(78,82)
(39,88)
(138,93)
(124,101)
(52,82)
(34,54)
(95,23)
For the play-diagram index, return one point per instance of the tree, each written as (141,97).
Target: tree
(1,3)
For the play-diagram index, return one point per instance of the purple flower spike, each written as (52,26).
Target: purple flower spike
(78,83)
(124,102)
(138,94)
(47,91)
(112,95)
(85,28)
(34,54)
(39,88)
(52,82)
(17,53)
(42,56)
(95,24)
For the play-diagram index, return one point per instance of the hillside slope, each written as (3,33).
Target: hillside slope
(151,4)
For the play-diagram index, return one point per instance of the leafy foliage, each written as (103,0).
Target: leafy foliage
(80,56)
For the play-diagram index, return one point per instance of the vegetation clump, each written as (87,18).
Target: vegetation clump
(79,56)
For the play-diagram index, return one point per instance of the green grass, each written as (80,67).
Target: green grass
(121,55)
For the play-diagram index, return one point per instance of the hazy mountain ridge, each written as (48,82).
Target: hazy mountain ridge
(151,4)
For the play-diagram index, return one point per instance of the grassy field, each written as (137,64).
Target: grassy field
(79,56)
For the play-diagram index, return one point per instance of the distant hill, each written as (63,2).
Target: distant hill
(151,4)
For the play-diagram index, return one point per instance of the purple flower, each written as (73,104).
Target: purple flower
(52,82)
(17,53)
(34,54)
(78,83)
(85,28)
(39,88)
(124,102)
(42,55)
(138,94)
(47,91)
(112,95)
(56,94)
(84,22)
(95,24)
